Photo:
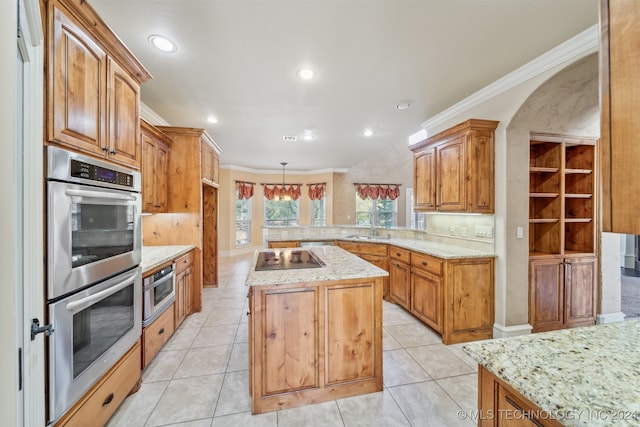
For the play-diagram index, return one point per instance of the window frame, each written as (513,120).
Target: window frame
(247,221)
(287,222)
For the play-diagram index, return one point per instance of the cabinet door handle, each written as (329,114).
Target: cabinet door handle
(112,151)
(105,149)
(161,331)
(108,399)
(425,263)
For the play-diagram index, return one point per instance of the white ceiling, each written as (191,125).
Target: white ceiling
(237,60)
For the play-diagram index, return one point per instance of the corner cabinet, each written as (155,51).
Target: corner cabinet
(453,171)
(562,238)
(92,85)
(620,127)
(155,168)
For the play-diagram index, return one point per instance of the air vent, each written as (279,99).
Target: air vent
(290,138)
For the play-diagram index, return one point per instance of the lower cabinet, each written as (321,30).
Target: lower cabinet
(274,244)
(562,291)
(314,342)
(426,298)
(102,400)
(375,253)
(399,283)
(156,335)
(183,305)
(500,405)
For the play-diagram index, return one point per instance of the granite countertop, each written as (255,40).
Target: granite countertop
(154,256)
(586,376)
(440,250)
(339,265)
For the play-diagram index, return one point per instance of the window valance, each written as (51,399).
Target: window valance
(280,191)
(375,191)
(316,190)
(245,189)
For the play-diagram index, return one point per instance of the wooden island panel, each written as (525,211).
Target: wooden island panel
(313,342)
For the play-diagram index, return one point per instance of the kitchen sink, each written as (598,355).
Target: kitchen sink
(368,237)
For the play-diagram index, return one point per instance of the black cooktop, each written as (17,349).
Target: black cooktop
(287,259)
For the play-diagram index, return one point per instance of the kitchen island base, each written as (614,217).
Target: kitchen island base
(313,342)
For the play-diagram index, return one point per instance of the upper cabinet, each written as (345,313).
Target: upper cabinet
(210,163)
(92,85)
(620,127)
(155,168)
(453,171)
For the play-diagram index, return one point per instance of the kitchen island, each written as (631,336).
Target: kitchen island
(315,334)
(586,376)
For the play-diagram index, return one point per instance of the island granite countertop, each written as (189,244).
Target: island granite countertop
(585,376)
(154,256)
(339,265)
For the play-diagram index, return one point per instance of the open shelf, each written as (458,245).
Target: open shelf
(543,195)
(577,220)
(578,196)
(540,169)
(542,220)
(577,171)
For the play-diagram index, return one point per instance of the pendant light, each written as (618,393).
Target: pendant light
(286,196)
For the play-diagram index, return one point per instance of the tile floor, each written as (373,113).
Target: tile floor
(201,377)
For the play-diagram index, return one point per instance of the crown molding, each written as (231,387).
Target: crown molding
(151,116)
(575,48)
(279,171)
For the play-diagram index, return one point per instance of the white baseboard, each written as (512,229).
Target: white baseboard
(603,318)
(502,331)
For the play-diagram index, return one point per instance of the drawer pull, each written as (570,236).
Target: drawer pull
(108,399)
(397,253)
(424,263)
(161,331)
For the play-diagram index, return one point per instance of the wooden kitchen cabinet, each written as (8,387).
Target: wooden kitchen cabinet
(283,244)
(400,276)
(314,342)
(92,85)
(375,253)
(155,168)
(210,164)
(562,237)
(562,292)
(454,170)
(620,127)
(427,298)
(156,335)
(101,401)
(500,405)
(185,284)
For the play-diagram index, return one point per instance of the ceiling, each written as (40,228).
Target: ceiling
(237,60)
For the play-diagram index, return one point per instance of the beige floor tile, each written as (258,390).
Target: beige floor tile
(463,390)
(215,335)
(413,335)
(181,339)
(458,351)
(245,419)
(228,301)
(239,360)
(234,396)
(195,320)
(242,335)
(187,400)
(197,423)
(438,361)
(204,361)
(400,368)
(136,409)
(373,409)
(426,404)
(164,366)
(324,414)
(221,316)
(397,316)
(388,341)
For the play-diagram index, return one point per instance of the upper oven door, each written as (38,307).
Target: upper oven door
(93,233)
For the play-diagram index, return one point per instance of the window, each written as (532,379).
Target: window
(317,212)
(415,220)
(281,212)
(243,221)
(376,212)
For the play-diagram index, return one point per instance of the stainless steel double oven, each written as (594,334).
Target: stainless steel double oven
(94,283)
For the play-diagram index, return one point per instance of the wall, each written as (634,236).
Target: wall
(226,201)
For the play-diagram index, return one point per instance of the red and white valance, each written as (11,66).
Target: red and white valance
(316,191)
(245,189)
(279,191)
(375,191)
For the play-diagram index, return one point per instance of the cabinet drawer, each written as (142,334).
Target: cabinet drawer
(283,244)
(364,248)
(427,263)
(184,262)
(156,335)
(400,254)
(102,401)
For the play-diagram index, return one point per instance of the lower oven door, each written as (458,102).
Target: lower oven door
(92,330)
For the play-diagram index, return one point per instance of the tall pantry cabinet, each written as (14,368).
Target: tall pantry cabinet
(562,230)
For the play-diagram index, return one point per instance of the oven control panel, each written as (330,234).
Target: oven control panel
(100,174)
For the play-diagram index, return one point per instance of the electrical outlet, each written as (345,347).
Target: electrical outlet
(519,233)
(463,232)
(452,230)
(484,231)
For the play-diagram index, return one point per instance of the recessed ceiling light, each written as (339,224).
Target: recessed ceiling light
(367,132)
(403,105)
(307,136)
(306,73)
(212,120)
(162,43)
